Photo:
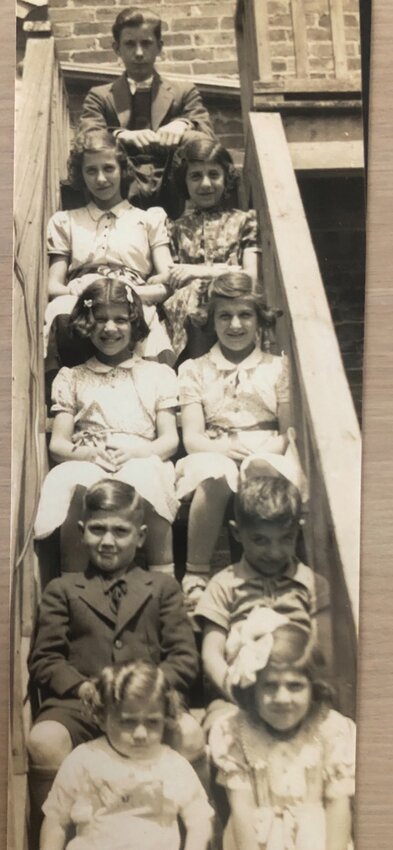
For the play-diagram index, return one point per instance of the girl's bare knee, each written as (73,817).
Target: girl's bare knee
(49,743)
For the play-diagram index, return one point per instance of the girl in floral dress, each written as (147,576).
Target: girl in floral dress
(208,239)
(126,789)
(107,235)
(285,758)
(114,414)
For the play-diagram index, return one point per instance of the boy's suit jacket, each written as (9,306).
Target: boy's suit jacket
(78,634)
(110,106)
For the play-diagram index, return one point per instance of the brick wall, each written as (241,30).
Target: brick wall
(199,36)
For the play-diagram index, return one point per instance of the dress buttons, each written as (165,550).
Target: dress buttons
(118,643)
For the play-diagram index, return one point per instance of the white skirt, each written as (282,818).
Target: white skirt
(156,342)
(193,470)
(152,478)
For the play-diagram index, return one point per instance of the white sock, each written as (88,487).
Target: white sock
(197,569)
(167,569)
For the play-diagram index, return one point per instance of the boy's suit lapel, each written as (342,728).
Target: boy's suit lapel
(91,591)
(162,98)
(122,100)
(139,589)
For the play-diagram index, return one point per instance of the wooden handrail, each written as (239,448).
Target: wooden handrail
(41,149)
(325,419)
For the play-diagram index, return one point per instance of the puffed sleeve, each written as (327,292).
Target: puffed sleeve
(63,392)
(59,234)
(167,390)
(249,232)
(156,227)
(66,789)
(282,384)
(227,753)
(189,383)
(339,735)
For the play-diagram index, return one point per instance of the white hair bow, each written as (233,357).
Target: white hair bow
(249,645)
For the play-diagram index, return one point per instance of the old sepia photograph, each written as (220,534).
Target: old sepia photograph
(188,329)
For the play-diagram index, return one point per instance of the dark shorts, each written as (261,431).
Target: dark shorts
(70,713)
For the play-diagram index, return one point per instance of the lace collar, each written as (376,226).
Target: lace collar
(95,365)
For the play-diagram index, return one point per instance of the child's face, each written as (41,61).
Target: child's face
(282,698)
(236,326)
(135,727)
(268,547)
(102,176)
(112,539)
(111,332)
(205,182)
(138,49)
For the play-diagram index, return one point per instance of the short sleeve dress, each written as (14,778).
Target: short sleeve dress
(240,399)
(206,236)
(111,404)
(291,780)
(119,804)
(100,242)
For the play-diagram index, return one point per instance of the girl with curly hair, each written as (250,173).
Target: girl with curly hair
(126,789)
(114,414)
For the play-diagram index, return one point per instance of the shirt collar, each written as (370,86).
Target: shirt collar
(254,359)
(96,366)
(143,85)
(116,211)
(245,571)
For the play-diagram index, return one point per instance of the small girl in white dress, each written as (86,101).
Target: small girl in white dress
(114,414)
(235,405)
(125,790)
(285,758)
(108,234)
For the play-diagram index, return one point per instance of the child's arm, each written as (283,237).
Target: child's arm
(250,265)
(338,823)
(52,835)
(57,276)
(242,807)
(62,448)
(213,657)
(183,273)
(164,446)
(284,416)
(195,439)
(156,291)
(198,835)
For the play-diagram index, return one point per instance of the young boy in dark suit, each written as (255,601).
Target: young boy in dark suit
(114,612)
(151,115)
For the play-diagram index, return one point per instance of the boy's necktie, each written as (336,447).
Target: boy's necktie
(116,592)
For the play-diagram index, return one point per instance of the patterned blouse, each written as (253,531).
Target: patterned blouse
(206,236)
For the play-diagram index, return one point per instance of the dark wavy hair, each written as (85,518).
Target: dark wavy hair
(294,647)
(136,18)
(107,290)
(95,141)
(274,500)
(140,680)
(111,495)
(204,150)
(236,284)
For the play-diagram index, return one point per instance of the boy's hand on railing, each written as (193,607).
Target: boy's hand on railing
(170,135)
(140,139)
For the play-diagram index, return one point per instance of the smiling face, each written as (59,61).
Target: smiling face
(138,48)
(111,332)
(135,727)
(282,697)
(236,326)
(205,183)
(102,176)
(268,547)
(112,539)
